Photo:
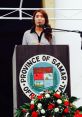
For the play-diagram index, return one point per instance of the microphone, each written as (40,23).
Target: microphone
(45,28)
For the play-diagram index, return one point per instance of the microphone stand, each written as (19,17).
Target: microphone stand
(63,30)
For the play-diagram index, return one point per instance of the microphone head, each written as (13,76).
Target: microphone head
(49,29)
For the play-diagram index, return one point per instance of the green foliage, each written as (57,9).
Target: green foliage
(53,104)
(80,109)
(73,99)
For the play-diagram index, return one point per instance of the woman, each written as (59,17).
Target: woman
(40,33)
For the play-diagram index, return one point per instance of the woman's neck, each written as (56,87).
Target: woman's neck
(38,29)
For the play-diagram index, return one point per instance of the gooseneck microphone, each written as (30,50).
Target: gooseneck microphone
(45,27)
(61,30)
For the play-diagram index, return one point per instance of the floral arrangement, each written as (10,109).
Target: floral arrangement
(50,104)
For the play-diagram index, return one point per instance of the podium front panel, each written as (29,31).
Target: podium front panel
(23,53)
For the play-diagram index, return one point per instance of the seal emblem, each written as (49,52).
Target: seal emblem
(42,72)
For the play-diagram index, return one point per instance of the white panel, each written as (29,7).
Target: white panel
(73,40)
(68,3)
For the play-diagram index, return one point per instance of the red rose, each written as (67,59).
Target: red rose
(57,95)
(51,106)
(66,110)
(32,106)
(66,103)
(40,97)
(77,114)
(34,114)
(80,115)
(24,110)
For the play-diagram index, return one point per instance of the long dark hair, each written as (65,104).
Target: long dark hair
(47,31)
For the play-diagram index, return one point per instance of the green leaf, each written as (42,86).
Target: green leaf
(73,99)
(80,108)
(18,113)
(25,106)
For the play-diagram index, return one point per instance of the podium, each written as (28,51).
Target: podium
(39,68)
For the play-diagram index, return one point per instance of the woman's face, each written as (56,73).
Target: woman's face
(39,19)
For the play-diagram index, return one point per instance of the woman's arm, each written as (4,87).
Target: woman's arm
(25,39)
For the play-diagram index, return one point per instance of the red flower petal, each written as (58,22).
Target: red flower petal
(40,97)
(32,106)
(66,110)
(77,114)
(57,95)
(51,106)
(66,103)
(24,110)
(34,114)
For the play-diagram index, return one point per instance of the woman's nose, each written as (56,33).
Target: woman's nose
(39,17)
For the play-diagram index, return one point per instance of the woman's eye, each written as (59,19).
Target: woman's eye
(37,16)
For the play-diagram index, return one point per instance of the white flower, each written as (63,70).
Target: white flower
(42,111)
(39,105)
(47,95)
(41,92)
(59,101)
(43,116)
(32,102)
(56,109)
(58,92)
(26,115)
